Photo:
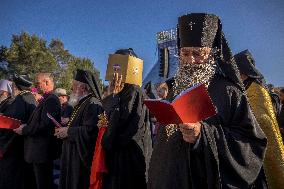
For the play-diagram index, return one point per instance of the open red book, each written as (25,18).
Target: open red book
(191,106)
(9,123)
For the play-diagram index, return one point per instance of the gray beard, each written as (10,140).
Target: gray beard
(189,75)
(73,99)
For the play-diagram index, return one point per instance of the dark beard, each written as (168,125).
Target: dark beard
(189,75)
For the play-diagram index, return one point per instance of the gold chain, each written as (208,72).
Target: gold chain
(75,111)
(23,92)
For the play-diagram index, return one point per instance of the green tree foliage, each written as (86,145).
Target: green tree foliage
(30,54)
(3,62)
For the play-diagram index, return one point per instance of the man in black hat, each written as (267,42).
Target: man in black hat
(13,169)
(224,151)
(40,145)
(79,137)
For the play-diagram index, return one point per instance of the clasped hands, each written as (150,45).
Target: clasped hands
(61,132)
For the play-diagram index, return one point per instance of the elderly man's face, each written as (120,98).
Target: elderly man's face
(194,55)
(78,88)
(43,83)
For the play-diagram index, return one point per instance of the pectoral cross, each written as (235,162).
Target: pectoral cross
(191,24)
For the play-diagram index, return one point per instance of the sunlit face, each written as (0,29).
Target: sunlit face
(40,83)
(43,84)
(194,55)
(197,65)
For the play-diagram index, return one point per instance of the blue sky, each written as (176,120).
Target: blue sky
(96,28)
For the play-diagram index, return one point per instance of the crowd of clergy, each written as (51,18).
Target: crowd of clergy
(97,137)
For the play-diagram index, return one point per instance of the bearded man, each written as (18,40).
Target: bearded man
(224,151)
(79,136)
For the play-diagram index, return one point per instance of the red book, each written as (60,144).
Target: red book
(191,106)
(9,123)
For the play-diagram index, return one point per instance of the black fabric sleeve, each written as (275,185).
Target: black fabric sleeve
(45,125)
(237,144)
(67,111)
(124,121)
(85,134)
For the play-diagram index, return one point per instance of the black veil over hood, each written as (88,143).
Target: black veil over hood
(89,78)
(246,65)
(205,30)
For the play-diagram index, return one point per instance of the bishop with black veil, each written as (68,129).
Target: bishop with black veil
(224,151)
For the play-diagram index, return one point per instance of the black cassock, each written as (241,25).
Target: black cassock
(66,110)
(14,172)
(125,142)
(229,153)
(78,147)
(5,104)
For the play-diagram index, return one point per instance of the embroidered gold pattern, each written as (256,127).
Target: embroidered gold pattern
(103,121)
(75,111)
(260,102)
(171,129)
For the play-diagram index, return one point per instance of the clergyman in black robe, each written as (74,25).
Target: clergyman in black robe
(15,173)
(224,151)
(40,146)
(124,140)
(79,136)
